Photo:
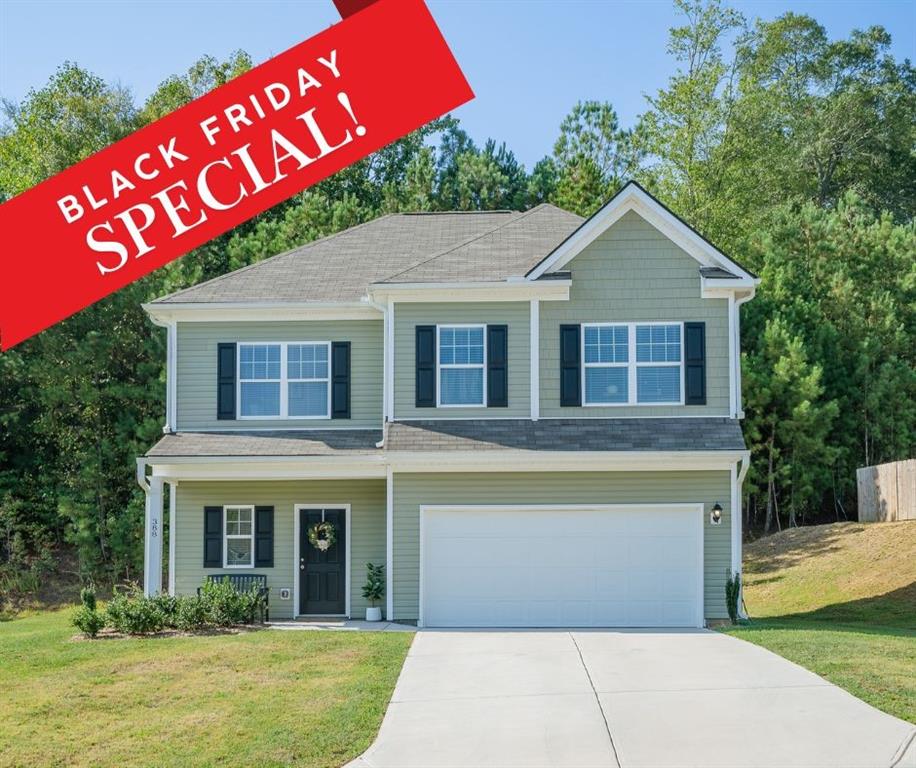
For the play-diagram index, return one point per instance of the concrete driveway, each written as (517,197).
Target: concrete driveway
(623,698)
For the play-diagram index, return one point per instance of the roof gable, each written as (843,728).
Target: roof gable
(632,197)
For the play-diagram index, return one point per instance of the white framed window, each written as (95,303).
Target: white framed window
(284,380)
(238,536)
(605,358)
(308,380)
(659,365)
(632,364)
(461,366)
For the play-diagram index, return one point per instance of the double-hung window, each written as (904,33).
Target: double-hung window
(308,382)
(260,382)
(462,365)
(607,356)
(658,363)
(238,527)
(285,380)
(632,364)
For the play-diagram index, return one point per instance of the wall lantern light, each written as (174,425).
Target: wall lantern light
(715,517)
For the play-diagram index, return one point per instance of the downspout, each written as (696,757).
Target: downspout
(141,474)
(171,372)
(386,364)
(739,484)
(739,409)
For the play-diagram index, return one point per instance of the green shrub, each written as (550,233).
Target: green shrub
(87,598)
(134,614)
(167,605)
(225,606)
(732,595)
(191,613)
(88,621)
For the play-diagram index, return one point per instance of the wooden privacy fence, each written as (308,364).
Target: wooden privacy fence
(887,492)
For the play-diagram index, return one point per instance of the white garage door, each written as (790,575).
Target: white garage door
(609,566)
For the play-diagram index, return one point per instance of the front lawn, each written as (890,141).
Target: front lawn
(840,600)
(261,698)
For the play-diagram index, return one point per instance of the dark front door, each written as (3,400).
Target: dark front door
(322,578)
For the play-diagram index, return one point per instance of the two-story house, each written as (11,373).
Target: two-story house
(529,418)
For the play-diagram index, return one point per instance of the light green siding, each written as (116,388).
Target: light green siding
(516,315)
(413,490)
(197,369)
(633,272)
(367,530)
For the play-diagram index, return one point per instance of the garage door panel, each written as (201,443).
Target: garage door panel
(610,566)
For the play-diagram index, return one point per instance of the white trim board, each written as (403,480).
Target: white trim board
(633,198)
(255,311)
(376,467)
(348,608)
(697,508)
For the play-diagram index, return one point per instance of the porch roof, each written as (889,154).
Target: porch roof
(326,442)
(685,434)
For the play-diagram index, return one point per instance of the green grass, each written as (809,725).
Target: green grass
(840,600)
(263,698)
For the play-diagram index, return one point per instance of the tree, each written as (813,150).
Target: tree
(687,129)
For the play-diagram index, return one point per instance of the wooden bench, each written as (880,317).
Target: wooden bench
(245,582)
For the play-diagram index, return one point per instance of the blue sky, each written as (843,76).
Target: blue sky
(528,61)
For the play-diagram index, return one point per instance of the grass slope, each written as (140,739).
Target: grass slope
(264,698)
(840,600)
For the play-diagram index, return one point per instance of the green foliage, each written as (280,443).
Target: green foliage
(374,588)
(133,614)
(225,606)
(88,620)
(191,613)
(87,598)
(732,595)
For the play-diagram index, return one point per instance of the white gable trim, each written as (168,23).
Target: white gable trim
(633,198)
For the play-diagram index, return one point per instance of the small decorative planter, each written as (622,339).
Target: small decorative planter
(374,613)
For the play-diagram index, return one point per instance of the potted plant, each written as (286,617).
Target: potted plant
(373,590)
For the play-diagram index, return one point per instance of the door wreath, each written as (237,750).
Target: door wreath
(322,536)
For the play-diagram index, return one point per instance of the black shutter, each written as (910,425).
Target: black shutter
(497,366)
(225,381)
(695,363)
(263,537)
(340,379)
(213,537)
(426,366)
(570,365)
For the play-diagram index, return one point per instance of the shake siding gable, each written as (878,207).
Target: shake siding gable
(633,272)
(197,344)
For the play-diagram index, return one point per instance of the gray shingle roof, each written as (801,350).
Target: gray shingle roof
(423,247)
(329,442)
(695,434)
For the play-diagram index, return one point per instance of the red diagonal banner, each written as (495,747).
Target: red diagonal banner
(207,167)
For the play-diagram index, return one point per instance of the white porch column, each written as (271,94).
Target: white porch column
(173,501)
(152,553)
(389,546)
(534,333)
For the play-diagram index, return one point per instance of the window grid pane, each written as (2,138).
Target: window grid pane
(606,344)
(259,362)
(260,398)
(658,343)
(606,384)
(658,384)
(308,398)
(307,361)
